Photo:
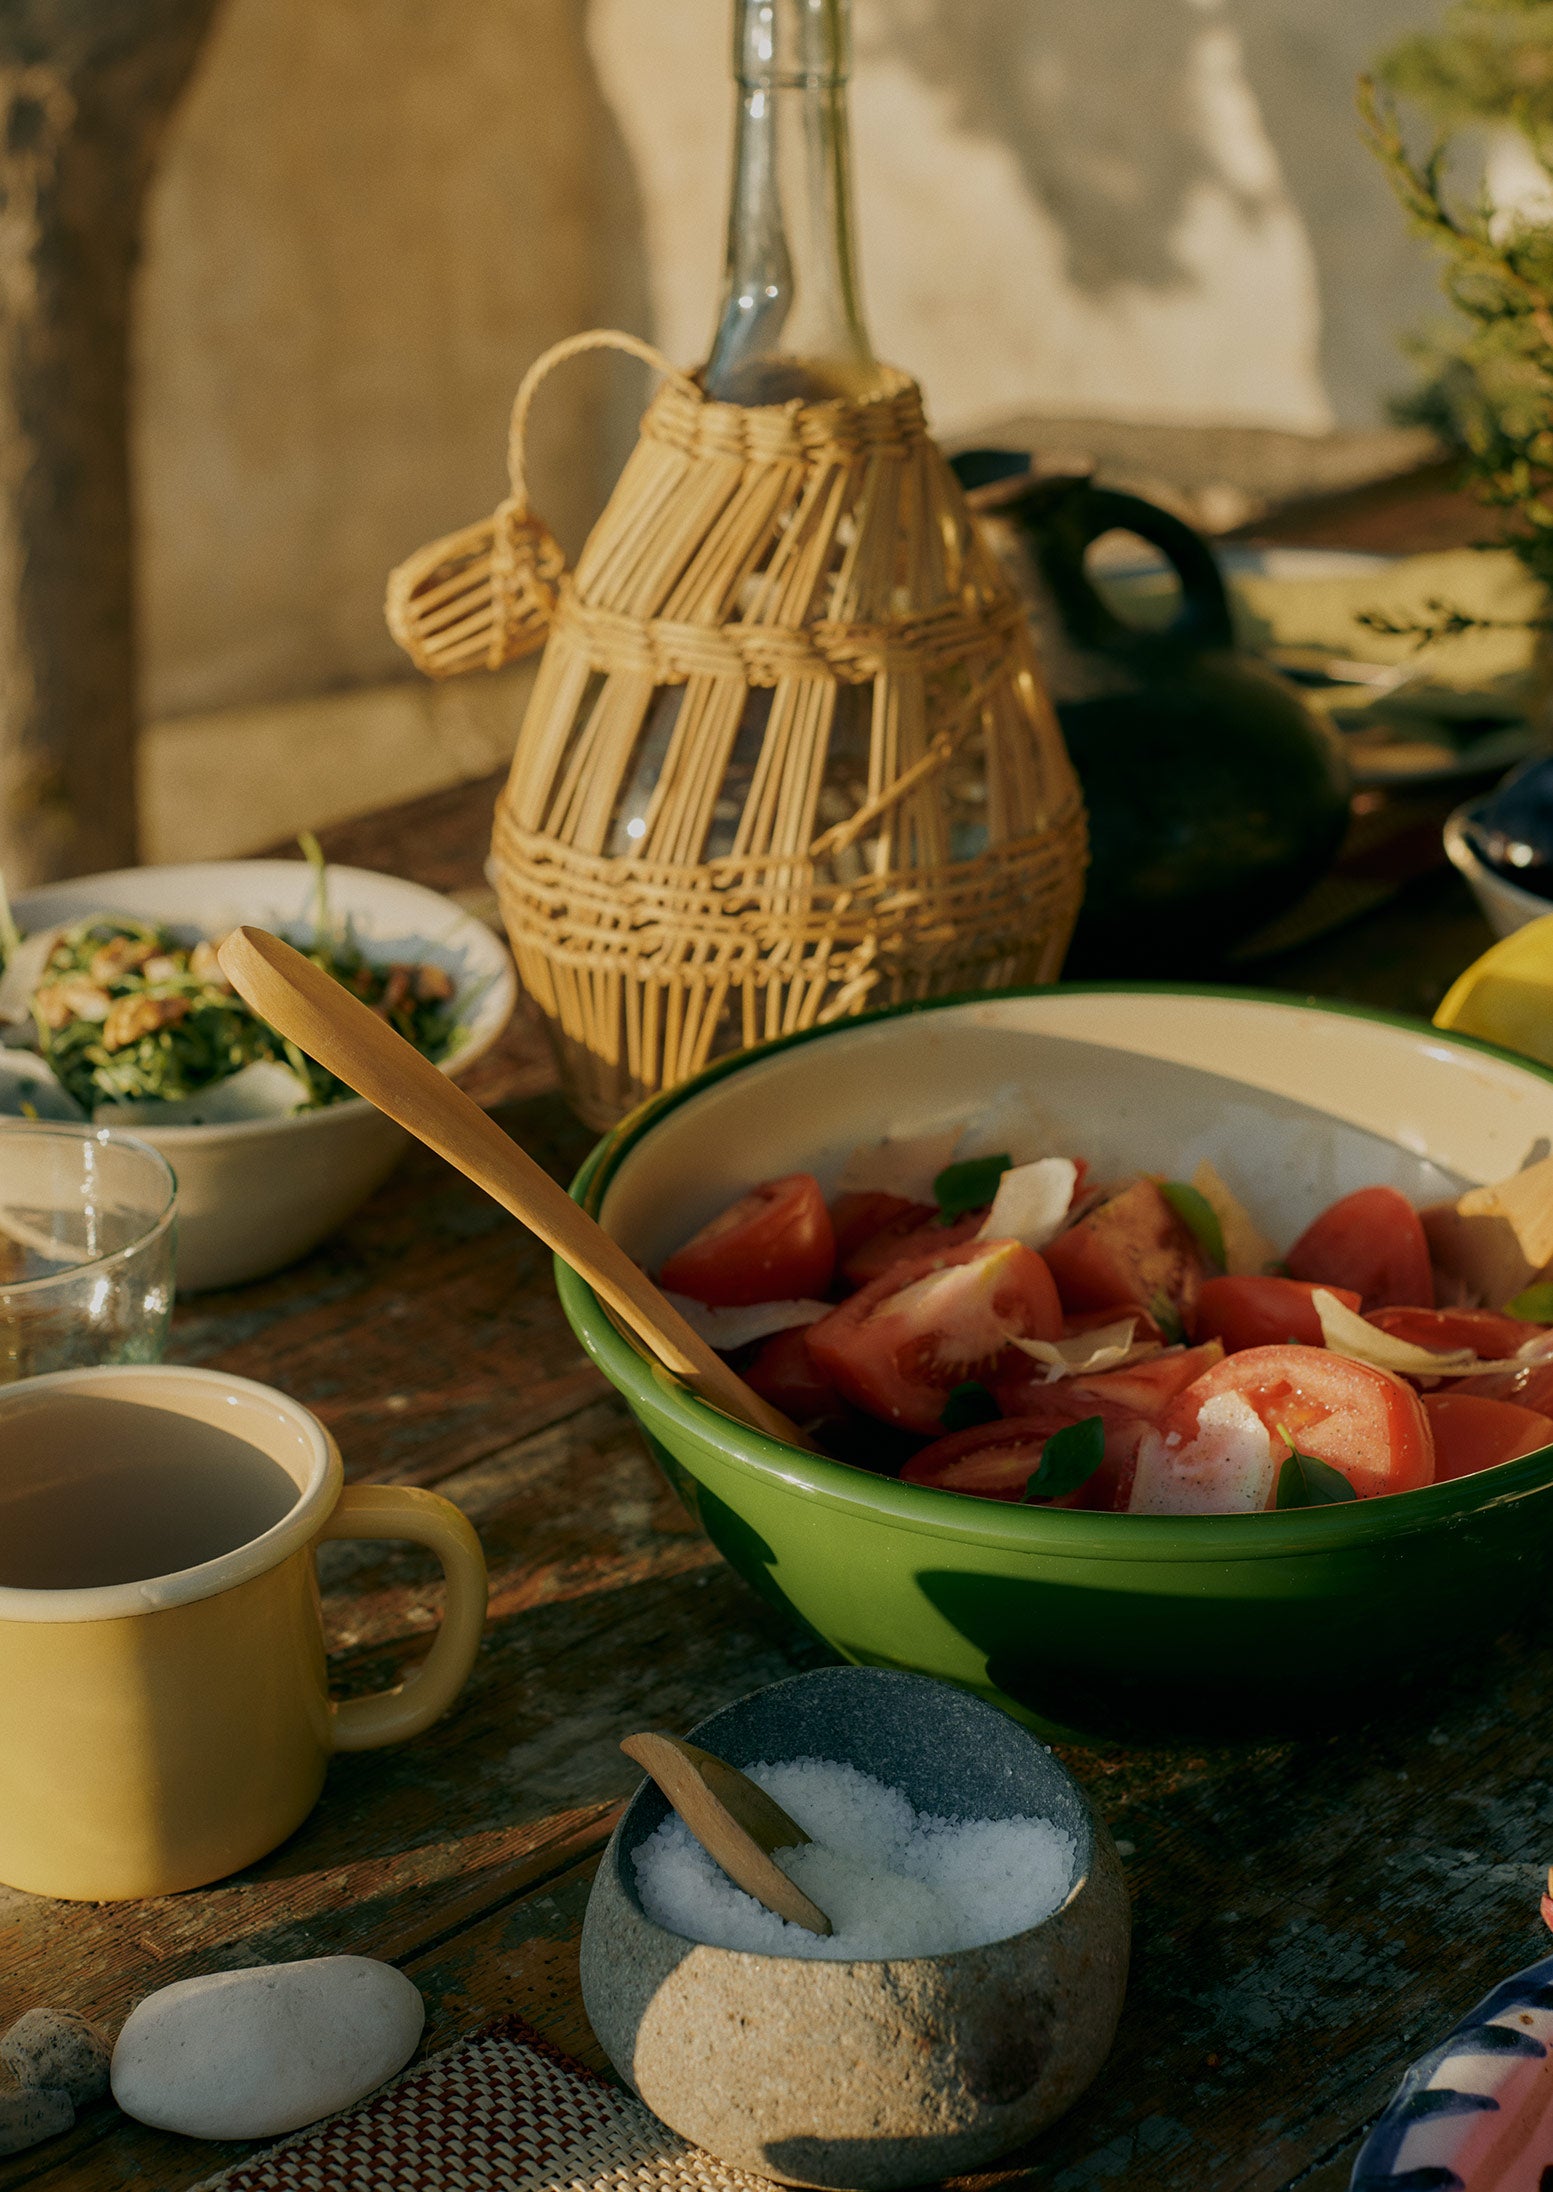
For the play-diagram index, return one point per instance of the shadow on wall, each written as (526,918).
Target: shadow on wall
(1118,117)
(370,217)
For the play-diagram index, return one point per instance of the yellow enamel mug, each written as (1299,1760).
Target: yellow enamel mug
(164,1709)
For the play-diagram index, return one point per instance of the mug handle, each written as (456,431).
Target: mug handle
(420,1518)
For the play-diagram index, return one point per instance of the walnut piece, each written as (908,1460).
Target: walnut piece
(120,956)
(132,1017)
(395,991)
(75,998)
(206,967)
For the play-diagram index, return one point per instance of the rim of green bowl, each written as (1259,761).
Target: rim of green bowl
(1067,1533)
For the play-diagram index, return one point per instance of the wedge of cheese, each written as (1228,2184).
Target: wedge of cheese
(1493,1241)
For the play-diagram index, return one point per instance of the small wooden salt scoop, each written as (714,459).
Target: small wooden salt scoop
(734,1820)
(323,1019)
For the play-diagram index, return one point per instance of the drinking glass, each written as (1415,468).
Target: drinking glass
(87,1243)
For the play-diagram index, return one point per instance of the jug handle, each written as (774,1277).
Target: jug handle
(1202,618)
(573,346)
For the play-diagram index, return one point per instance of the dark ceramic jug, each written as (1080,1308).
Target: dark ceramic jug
(1215,795)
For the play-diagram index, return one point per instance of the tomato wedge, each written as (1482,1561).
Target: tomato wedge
(1146,1388)
(899,1344)
(997,1460)
(1093,1320)
(911,1237)
(786,1374)
(1473,1433)
(1372,1241)
(774,1244)
(1263,1312)
(1530,1386)
(858,1215)
(1131,1247)
(1488,1332)
(1219,1448)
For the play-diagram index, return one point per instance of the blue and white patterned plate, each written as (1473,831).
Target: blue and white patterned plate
(1475,2114)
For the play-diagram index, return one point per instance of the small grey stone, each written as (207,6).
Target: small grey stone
(55,2047)
(29,2113)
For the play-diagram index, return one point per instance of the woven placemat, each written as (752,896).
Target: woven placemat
(503,2111)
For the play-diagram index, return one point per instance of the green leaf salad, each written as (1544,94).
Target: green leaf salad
(125,1013)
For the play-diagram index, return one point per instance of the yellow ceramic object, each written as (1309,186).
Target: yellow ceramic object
(159,1733)
(1506,997)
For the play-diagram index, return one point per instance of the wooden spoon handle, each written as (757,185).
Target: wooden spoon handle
(313,1011)
(732,1818)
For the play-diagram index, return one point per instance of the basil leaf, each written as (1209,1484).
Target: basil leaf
(967,1186)
(1069,1458)
(1195,1211)
(1303,1481)
(1534,1303)
(1163,1310)
(967,1405)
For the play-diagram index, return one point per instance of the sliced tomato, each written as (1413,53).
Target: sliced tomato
(1473,1433)
(1219,1448)
(857,1217)
(1129,1247)
(786,1374)
(1095,1320)
(1372,1241)
(997,1460)
(899,1344)
(774,1244)
(1146,1388)
(1488,1332)
(1263,1312)
(910,1238)
(1530,1386)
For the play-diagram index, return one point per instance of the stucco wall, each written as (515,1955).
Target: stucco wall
(372,213)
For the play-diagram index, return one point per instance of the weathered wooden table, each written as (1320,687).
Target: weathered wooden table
(1309,1915)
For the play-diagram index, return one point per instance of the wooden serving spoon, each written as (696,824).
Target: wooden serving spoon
(323,1019)
(734,1820)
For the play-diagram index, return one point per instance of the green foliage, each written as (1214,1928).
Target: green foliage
(961,1188)
(968,1405)
(1198,1215)
(1492,388)
(1069,1458)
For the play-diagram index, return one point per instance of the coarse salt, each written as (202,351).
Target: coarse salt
(894,1882)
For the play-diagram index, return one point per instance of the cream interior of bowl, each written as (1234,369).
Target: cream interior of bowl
(1294,1104)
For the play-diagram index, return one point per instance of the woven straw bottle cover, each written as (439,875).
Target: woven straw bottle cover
(788,753)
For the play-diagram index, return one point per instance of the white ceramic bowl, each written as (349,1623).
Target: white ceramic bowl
(257,1193)
(1506,907)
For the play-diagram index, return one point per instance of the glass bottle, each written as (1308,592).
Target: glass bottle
(790,324)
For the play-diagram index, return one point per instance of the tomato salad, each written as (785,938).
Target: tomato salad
(1022,1333)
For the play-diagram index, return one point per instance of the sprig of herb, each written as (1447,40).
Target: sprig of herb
(1305,1481)
(968,1405)
(1534,1303)
(1198,1215)
(967,1186)
(10,934)
(1166,1315)
(1069,1458)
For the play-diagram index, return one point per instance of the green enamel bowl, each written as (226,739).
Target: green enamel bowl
(1083,1623)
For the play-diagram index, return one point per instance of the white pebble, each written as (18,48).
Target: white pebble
(893,1882)
(247,2054)
(55,2047)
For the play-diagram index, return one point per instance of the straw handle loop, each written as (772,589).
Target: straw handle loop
(574,346)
